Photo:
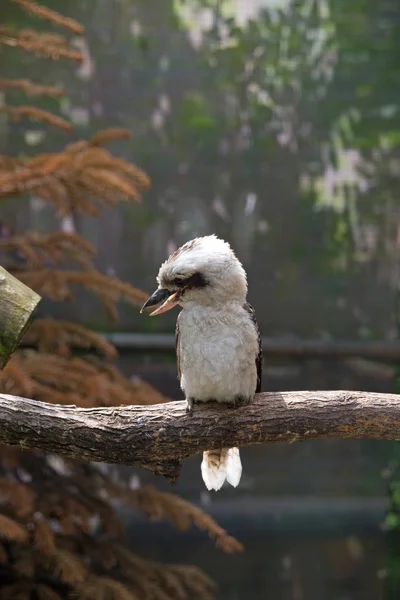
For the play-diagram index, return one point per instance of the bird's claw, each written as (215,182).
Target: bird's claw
(189,407)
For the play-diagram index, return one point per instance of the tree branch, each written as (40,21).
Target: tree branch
(160,436)
(17,305)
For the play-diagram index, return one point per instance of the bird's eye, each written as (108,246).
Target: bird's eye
(179,281)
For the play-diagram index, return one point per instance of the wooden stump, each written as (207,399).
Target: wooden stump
(17,305)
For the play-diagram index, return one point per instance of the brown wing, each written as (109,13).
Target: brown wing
(259,360)
(177,347)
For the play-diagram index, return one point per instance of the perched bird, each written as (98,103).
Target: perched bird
(218,344)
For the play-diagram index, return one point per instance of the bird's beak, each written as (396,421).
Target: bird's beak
(166,298)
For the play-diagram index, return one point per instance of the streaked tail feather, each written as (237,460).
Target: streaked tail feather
(221,465)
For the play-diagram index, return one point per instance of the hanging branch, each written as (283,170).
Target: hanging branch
(17,305)
(160,436)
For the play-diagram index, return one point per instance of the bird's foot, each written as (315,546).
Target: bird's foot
(189,407)
(239,401)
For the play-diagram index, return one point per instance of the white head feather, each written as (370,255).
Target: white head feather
(214,260)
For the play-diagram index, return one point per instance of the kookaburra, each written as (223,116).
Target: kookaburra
(218,345)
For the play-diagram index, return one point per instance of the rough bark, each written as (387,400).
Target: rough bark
(159,437)
(17,305)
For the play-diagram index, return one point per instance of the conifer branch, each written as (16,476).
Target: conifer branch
(44,12)
(36,114)
(160,436)
(31,88)
(49,45)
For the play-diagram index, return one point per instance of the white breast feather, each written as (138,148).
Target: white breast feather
(218,351)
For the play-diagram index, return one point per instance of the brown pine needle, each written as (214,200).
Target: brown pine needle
(37,114)
(104,160)
(61,336)
(12,531)
(43,44)
(31,88)
(76,146)
(9,163)
(75,180)
(194,579)
(108,179)
(44,539)
(102,588)
(57,285)
(109,135)
(24,566)
(51,15)
(157,505)
(15,378)
(18,495)
(68,567)
(53,163)
(90,382)
(54,248)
